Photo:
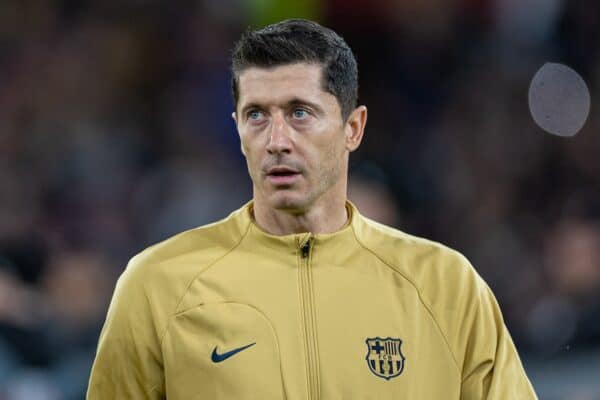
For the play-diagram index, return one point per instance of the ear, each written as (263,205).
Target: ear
(355,128)
(234,116)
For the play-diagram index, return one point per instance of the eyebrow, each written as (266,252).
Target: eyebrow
(296,101)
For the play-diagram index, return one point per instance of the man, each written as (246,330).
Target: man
(296,295)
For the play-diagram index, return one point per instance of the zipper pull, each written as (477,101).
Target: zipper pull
(305,249)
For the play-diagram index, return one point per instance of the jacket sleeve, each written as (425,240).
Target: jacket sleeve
(492,369)
(128,363)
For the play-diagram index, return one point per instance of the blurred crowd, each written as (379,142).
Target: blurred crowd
(115,133)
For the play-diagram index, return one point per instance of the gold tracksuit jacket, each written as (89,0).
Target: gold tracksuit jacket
(227,311)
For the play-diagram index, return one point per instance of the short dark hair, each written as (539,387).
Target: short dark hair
(299,40)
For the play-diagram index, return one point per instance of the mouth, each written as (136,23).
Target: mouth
(282,175)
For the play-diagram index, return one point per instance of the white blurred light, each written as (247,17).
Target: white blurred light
(559,100)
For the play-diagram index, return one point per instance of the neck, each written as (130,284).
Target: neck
(324,217)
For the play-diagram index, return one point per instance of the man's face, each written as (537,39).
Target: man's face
(292,135)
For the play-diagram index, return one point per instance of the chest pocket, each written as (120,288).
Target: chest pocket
(222,351)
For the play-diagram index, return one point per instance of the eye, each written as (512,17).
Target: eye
(254,115)
(300,113)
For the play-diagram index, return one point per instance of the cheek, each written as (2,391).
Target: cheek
(246,147)
(334,149)
(252,161)
(331,157)
(248,154)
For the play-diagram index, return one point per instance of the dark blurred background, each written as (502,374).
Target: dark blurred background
(115,133)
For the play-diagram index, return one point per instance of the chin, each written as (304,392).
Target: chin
(288,202)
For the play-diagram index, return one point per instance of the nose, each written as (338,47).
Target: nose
(279,137)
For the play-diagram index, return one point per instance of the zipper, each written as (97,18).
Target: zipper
(308,317)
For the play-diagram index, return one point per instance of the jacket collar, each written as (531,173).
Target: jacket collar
(293,242)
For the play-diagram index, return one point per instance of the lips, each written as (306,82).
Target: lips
(281,171)
(279,176)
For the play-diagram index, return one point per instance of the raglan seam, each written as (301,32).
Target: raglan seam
(194,278)
(156,386)
(425,304)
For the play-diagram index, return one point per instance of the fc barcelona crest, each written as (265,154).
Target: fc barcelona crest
(384,357)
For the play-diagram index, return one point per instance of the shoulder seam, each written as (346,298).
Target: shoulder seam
(189,285)
(427,307)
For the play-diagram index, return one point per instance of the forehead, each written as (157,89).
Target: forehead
(279,84)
